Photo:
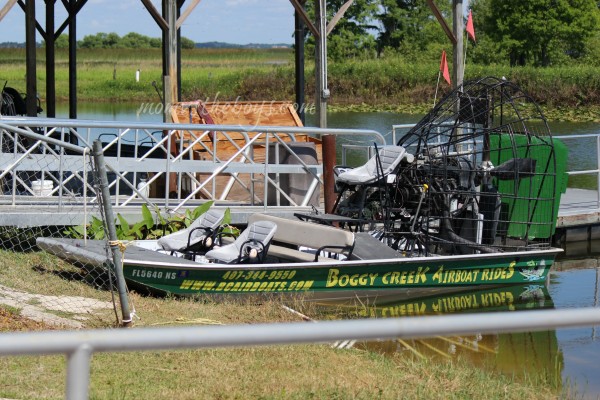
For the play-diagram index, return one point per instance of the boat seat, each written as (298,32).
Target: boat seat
(299,233)
(198,237)
(251,246)
(368,173)
(283,254)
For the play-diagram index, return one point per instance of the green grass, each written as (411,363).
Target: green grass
(275,372)
(393,83)
(389,84)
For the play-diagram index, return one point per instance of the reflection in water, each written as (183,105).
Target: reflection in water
(575,282)
(531,355)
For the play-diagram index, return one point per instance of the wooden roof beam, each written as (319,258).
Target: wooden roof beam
(186,13)
(442,21)
(78,6)
(338,15)
(298,6)
(156,15)
(7,7)
(38,27)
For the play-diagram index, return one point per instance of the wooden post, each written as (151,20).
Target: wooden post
(170,83)
(299,64)
(170,52)
(457,28)
(322,92)
(50,61)
(73,59)
(178,59)
(457,63)
(30,58)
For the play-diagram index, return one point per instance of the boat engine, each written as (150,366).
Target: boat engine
(485,176)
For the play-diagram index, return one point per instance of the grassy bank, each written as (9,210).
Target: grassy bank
(278,372)
(393,84)
(288,372)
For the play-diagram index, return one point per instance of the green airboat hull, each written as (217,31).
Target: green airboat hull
(400,277)
(410,274)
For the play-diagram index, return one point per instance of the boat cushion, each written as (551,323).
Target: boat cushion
(316,236)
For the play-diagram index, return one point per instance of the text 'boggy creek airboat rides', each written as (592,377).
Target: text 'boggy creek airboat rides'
(467,198)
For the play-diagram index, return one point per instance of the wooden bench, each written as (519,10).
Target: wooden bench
(298,233)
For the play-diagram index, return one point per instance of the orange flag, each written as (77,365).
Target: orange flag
(444,68)
(470,28)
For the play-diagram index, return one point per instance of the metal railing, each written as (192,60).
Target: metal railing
(80,345)
(583,204)
(574,207)
(138,155)
(182,153)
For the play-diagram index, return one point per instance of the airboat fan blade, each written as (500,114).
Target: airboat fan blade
(519,167)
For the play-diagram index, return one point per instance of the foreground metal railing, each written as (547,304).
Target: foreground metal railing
(80,345)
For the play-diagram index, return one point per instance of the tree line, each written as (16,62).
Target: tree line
(112,40)
(515,32)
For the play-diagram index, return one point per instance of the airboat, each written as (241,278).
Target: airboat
(468,198)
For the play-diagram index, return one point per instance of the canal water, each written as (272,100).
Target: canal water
(563,357)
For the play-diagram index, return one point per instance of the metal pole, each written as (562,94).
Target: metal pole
(30,44)
(105,340)
(329,145)
(112,231)
(50,64)
(78,373)
(322,92)
(165,62)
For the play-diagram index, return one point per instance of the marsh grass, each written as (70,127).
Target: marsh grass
(389,84)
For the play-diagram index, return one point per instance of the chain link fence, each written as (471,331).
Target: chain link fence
(49,190)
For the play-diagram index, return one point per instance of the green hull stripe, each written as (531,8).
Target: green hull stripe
(333,277)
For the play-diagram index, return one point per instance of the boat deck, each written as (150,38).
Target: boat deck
(578,207)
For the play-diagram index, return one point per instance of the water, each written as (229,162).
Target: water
(564,356)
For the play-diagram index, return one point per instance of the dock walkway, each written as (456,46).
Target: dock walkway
(578,207)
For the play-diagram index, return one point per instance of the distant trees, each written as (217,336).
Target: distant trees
(131,40)
(408,27)
(372,28)
(185,43)
(351,37)
(537,32)
(515,32)
(62,42)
